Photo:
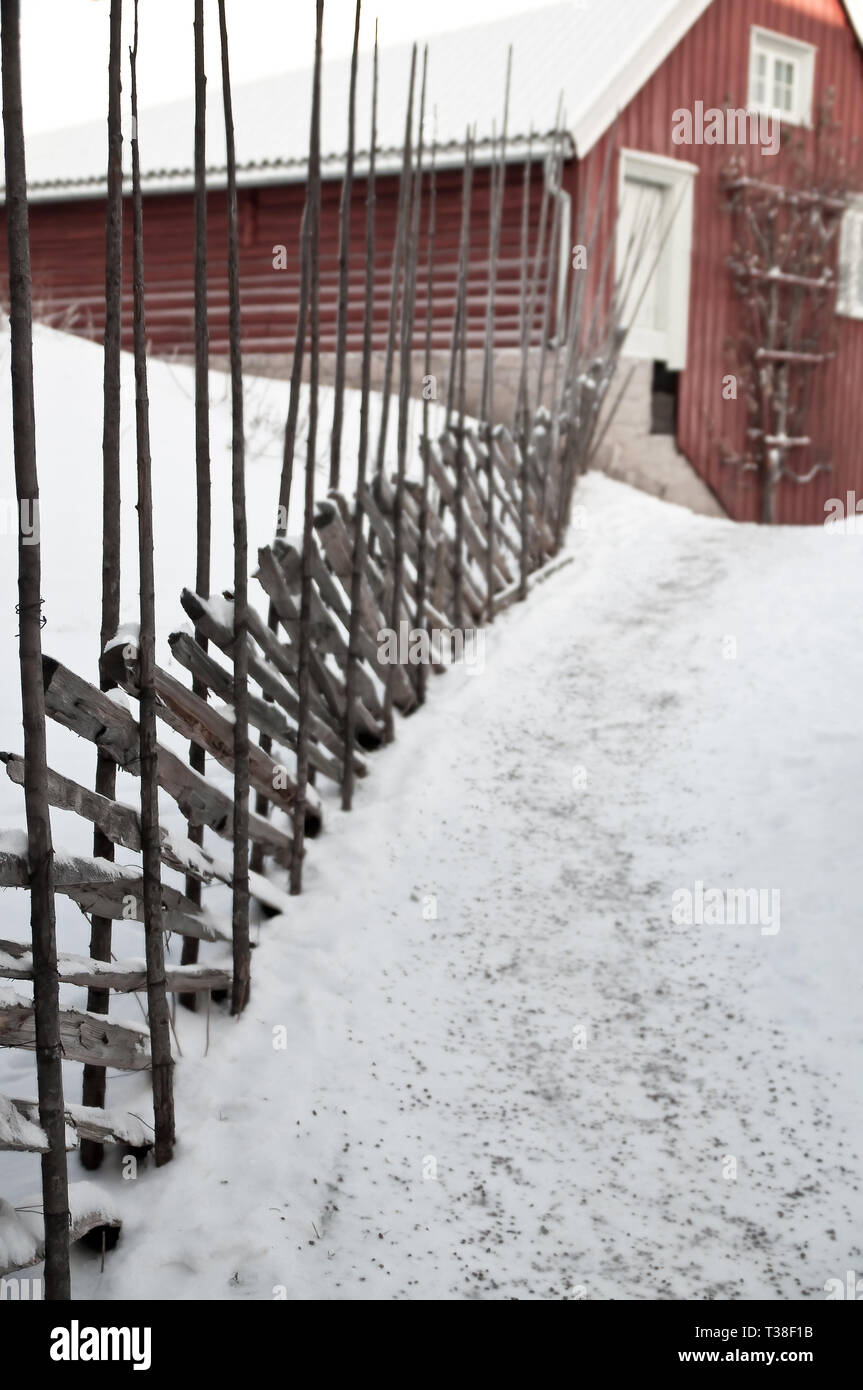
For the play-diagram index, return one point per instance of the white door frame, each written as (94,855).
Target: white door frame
(678,177)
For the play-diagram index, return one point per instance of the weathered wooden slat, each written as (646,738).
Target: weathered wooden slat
(22,1229)
(410,540)
(263,714)
(330,686)
(441,570)
(21,1132)
(508,460)
(110,890)
(539,576)
(509,463)
(338,549)
(273,679)
(472,593)
(337,645)
(438,540)
(329,606)
(107,1126)
(543,448)
(88,712)
(122,826)
(411,511)
(284,656)
(124,976)
(337,543)
(475,510)
(471,596)
(124,899)
(381,530)
(330,588)
(410,536)
(192,717)
(323,632)
(332,593)
(385,498)
(507,498)
(20,1129)
(84,1037)
(449,450)
(336,539)
(434,532)
(325,683)
(322,621)
(435,616)
(508,539)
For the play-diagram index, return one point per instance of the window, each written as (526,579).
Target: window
(849,300)
(781,76)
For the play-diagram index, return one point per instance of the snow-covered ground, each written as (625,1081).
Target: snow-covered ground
(480,1059)
(68,386)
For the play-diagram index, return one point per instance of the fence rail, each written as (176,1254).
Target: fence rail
(310,677)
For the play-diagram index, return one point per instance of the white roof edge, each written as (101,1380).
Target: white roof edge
(386,165)
(634,74)
(854,15)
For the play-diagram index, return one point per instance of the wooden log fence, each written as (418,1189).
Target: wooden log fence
(110,891)
(20,1131)
(92,1214)
(315,650)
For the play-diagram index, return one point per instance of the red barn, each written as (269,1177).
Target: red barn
(624,71)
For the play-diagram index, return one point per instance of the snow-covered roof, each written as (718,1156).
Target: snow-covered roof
(854,11)
(593,56)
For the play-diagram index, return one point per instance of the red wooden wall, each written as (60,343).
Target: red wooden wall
(67,249)
(711,64)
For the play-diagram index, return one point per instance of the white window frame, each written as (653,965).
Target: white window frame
(677,176)
(802,58)
(849,295)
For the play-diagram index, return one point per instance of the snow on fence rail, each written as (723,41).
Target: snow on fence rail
(318,678)
(92,1216)
(525,493)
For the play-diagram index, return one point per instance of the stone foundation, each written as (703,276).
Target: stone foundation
(651,462)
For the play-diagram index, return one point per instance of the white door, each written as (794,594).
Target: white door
(654,243)
(644,302)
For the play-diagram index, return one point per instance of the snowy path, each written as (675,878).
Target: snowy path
(446,1045)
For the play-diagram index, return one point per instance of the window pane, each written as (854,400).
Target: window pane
(757,74)
(783,85)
